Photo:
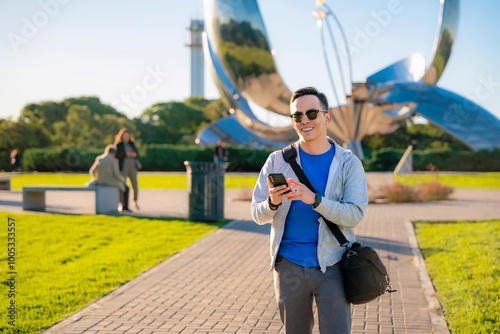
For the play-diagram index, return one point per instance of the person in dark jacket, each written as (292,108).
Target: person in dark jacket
(128,159)
(220,152)
(15,160)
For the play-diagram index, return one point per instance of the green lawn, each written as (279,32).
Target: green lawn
(463,259)
(170,181)
(179,181)
(64,263)
(472,180)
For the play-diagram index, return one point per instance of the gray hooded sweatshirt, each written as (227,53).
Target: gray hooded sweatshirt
(344,203)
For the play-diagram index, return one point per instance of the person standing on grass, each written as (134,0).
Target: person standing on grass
(105,170)
(305,255)
(128,158)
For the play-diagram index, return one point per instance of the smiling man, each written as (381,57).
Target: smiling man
(305,255)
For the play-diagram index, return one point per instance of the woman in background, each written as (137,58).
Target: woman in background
(128,159)
(15,161)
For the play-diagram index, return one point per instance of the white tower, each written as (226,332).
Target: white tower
(197,61)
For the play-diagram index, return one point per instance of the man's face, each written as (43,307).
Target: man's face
(309,130)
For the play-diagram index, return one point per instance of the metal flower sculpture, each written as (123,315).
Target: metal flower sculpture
(243,67)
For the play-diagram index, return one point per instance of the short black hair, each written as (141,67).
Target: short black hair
(110,149)
(311,91)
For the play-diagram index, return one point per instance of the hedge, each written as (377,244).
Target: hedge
(70,159)
(157,157)
(449,160)
(153,157)
(441,159)
(5,161)
(171,158)
(382,160)
(245,159)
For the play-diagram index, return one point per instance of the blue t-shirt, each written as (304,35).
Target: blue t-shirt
(300,239)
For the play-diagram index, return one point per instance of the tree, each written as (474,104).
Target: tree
(420,135)
(87,122)
(171,122)
(94,104)
(197,102)
(83,121)
(20,135)
(44,113)
(215,110)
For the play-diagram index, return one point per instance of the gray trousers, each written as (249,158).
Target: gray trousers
(297,286)
(130,170)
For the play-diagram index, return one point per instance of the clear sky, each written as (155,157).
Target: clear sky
(54,49)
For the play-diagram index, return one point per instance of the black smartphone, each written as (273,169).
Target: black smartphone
(278,179)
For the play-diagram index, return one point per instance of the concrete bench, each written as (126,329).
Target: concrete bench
(106,198)
(4,183)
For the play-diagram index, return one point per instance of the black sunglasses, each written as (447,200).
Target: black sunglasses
(311,114)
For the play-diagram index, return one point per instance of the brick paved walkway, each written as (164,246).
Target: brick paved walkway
(221,283)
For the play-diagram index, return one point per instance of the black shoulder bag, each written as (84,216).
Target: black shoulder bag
(365,276)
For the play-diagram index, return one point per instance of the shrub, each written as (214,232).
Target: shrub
(435,191)
(428,191)
(398,193)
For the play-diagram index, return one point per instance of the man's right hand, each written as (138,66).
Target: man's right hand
(276,194)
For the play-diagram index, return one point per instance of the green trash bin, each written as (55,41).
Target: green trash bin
(206,189)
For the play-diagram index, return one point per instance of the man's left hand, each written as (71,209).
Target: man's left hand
(301,192)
